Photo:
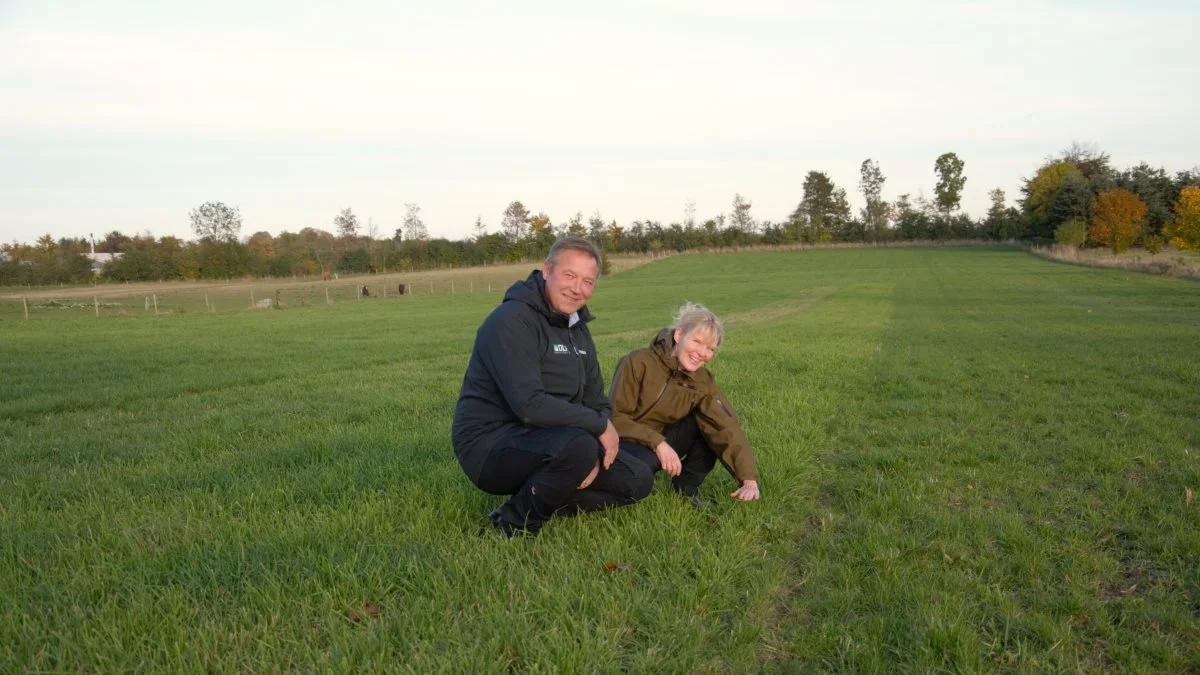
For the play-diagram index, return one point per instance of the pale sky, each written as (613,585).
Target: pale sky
(126,115)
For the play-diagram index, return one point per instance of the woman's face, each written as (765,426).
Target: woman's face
(694,350)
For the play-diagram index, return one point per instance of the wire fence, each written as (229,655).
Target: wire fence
(111,300)
(211,297)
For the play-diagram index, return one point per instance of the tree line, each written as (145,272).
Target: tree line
(1075,198)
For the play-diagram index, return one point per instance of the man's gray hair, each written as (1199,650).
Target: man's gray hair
(574,244)
(693,316)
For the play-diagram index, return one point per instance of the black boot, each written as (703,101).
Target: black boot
(691,493)
(508,530)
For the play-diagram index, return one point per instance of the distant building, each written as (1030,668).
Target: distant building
(100,259)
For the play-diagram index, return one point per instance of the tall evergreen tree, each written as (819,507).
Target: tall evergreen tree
(1073,201)
(1156,189)
(822,211)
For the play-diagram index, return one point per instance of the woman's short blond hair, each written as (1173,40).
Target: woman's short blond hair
(693,316)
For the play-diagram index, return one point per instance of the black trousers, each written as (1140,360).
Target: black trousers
(542,468)
(697,458)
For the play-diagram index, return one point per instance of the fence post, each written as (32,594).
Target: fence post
(431,287)
(96,302)
(155,296)
(206,305)
(25,301)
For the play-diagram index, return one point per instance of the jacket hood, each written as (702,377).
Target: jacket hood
(663,345)
(532,291)
(664,342)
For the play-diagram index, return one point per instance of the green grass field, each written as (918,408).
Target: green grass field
(972,460)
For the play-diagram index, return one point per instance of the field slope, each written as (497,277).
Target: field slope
(972,460)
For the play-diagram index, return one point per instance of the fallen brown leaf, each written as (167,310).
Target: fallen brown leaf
(371,609)
(354,616)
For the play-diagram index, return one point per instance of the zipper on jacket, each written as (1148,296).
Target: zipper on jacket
(656,398)
(579,360)
(724,407)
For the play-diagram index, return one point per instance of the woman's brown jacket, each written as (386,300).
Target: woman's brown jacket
(650,392)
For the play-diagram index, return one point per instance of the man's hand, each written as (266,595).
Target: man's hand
(748,492)
(610,440)
(590,477)
(668,459)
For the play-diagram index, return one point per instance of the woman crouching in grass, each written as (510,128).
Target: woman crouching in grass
(671,414)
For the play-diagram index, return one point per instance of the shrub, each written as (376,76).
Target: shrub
(1184,229)
(1154,244)
(1071,233)
(1118,219)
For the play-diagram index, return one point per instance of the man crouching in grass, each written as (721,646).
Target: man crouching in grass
(532,420)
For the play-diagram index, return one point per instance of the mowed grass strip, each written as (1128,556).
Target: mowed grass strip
(1007,485)
(277,490)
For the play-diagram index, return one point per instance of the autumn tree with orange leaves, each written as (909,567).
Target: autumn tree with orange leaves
(1184,229)
(1117,219)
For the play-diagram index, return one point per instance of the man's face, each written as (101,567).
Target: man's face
(570,281)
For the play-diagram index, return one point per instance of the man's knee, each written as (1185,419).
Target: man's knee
(580,451)
(641,480)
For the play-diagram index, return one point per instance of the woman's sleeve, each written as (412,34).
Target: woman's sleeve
(626,387)
(719,424)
